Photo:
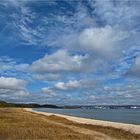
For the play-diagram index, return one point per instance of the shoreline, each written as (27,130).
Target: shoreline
(127,127)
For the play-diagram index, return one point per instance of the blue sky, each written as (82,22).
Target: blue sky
(70,52)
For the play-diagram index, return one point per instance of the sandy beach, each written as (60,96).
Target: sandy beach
(127,127)
(19,123)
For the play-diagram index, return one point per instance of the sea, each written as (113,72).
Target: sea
(130,116)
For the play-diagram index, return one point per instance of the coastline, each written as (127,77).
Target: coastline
(127,127)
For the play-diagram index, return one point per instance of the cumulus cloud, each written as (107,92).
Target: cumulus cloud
(8,64)
(46,77)
(72,84)
(10,68)
(47,91)
(13,93)
(12,88)
(82,84)
(102,40)
(59,61)
(135,68)
(11,83)
(60,85)
(81,37)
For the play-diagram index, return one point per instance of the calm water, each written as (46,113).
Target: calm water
(131,116)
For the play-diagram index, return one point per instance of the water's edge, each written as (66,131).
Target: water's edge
(127,127)
(121,116)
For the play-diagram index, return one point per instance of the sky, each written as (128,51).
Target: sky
(70,52)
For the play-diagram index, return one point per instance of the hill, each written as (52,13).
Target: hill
(30,105)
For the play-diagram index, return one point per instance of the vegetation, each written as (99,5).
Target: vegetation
(16,123)
(31,105)
(3,104)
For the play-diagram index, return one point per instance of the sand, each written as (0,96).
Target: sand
(128,127)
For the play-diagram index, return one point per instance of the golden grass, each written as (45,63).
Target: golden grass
(110,131)
(20,124)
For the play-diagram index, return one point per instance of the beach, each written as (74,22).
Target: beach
(19,123)
(127,127)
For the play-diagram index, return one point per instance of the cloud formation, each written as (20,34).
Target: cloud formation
(102,40)
(70,85)
(60,61)
(12,88)
(11,83)
(135,68)
(48,91)
(70,52)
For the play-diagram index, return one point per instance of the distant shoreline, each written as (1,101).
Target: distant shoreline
(127,127)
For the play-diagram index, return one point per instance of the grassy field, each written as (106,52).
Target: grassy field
(20,124)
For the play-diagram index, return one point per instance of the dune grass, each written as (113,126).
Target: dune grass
(110,131)
(20,124)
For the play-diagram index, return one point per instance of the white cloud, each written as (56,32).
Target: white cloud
(33,27)
(46,77)
(48,91)
(121,13)
(11,83)
(12,88)
(101,40)
(61,86)
(7,63)
(72,84)
(92,97)
(12,93)
(135,68)
(76,84)
(59,61)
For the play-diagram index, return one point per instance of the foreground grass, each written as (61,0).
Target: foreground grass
(114,133)
(20,124)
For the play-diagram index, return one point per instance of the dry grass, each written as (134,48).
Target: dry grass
(110,131)
(20,124)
